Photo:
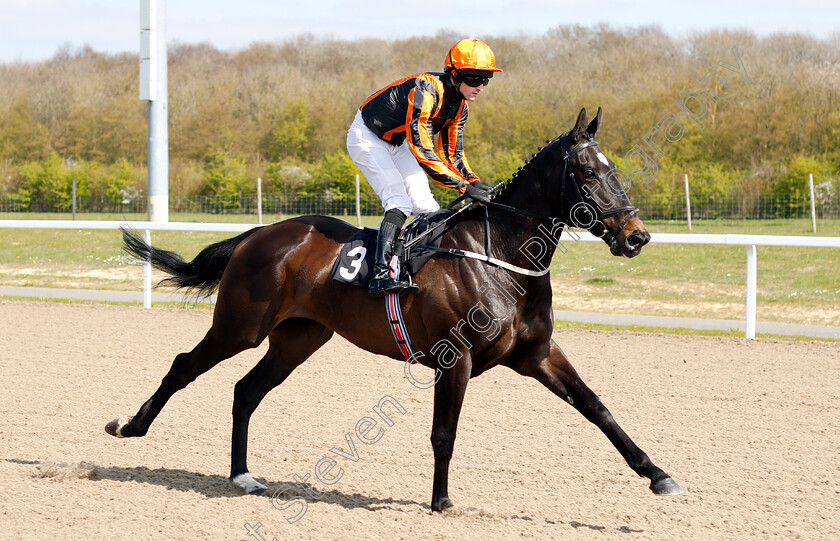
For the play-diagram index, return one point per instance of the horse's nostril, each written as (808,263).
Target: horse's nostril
(635,241)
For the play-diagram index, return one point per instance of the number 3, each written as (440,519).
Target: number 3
(356,265)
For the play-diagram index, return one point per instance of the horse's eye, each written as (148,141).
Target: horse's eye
(589,173)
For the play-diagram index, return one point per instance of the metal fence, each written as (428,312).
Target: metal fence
(708,207)
(283,203)
(735,207)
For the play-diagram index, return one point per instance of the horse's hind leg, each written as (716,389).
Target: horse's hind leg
(215,347)
(290,344)
(557,374)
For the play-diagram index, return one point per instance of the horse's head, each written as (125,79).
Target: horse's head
(591,194)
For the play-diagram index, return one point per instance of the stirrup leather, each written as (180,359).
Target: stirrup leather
(383,281)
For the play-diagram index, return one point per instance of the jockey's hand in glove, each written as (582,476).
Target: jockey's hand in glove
(478,191)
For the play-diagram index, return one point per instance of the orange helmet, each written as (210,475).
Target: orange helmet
(471,54)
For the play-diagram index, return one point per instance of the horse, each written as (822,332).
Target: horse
(274,282)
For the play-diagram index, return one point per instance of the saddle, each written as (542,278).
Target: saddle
(418,241)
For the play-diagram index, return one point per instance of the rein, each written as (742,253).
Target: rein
(586,199)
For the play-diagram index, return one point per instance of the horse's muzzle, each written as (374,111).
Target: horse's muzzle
(630,240)
(634,242)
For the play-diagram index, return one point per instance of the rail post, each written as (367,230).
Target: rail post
(687,202)
(358,203)
(752,274)
(259,200)
(74,198)
(813,208)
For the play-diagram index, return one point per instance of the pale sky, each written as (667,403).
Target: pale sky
(32,30)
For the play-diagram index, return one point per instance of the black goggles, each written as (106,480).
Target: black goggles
(475,80)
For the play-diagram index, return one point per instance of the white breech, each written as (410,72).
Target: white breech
(392,171)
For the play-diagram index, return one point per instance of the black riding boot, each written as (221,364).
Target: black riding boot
(381,284)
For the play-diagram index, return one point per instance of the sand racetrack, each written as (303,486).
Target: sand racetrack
(750,429)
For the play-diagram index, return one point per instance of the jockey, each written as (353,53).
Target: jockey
(392,141)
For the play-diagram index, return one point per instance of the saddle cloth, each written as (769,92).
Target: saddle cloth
(354,264)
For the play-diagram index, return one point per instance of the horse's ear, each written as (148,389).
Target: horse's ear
(592,129)
(580,125)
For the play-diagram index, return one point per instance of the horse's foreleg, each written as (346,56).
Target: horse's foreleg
(185,368)
(557,374)
(449,396)
(290,344)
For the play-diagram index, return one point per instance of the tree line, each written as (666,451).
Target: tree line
(280,111)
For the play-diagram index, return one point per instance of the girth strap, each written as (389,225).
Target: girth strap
(394,313)
(398,328)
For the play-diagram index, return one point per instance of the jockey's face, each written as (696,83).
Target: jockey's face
(470,93)
(472,82)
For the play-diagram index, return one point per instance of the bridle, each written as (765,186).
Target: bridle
(588,199)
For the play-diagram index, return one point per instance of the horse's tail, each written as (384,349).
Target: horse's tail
(200,276)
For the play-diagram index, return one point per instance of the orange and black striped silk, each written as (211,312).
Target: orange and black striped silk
(417,108)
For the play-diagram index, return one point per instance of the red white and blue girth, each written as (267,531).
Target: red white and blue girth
(394,312)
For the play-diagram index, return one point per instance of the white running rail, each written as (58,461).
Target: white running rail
(750,242)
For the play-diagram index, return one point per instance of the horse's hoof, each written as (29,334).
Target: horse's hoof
(442,505)
(114,428)
(666,487)
(248,484)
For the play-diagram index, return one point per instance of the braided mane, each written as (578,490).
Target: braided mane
(501,187)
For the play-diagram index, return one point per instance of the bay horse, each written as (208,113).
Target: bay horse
(274,282)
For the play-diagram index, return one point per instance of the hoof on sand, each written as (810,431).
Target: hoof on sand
(248,484)
(114,428)
(666,487)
